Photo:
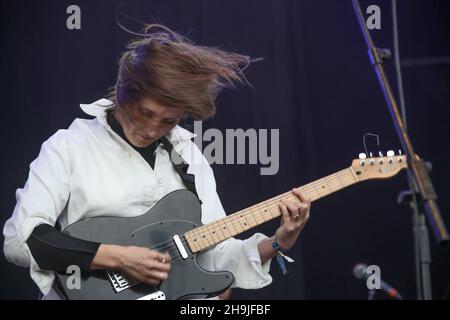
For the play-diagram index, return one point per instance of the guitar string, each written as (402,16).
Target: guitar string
(309,188)
(168,244)
(271,204)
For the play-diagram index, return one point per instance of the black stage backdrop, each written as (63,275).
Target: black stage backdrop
(316,85)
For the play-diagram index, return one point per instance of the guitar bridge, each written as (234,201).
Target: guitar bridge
(119,281)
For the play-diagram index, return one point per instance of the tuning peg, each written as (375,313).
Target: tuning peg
(399,152)
(380,154)
(362,157)
(390,154)
(370,154)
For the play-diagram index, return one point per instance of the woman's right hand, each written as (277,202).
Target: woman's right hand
(138,263)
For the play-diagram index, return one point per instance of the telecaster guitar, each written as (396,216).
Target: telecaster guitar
(174,225)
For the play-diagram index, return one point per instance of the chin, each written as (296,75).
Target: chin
(142,142)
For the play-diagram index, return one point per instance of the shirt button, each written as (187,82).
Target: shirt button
(160,180)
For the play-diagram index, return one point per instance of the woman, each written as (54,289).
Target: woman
(118,164)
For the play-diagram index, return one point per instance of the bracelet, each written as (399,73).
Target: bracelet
(281,256)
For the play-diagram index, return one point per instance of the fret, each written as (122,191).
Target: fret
(315,186)
(204,237)
(223,227)
(268,209)
(212,231)
(209,235)
(326,180)
(264,212)
(243,220)
(354,175)
(230,226)
(243,217)
(220,225)
(306,193)
(199,238)
(339,177)
(226,227)
(274,209)
(258,216)
(321,188)
(251,216)
(310,192)
(233,220)
(191,243)
(219,231)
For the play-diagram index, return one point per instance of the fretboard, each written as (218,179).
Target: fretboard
(218,231)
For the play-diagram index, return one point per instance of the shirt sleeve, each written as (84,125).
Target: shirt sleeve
(40,201)
(56,251)
(240,257)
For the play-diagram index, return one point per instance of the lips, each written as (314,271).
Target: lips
(144,137)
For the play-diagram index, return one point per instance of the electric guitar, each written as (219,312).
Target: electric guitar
(173,225)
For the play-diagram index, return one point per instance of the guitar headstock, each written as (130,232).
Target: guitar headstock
(382,167)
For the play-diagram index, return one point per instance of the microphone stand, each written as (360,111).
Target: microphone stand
(423,196)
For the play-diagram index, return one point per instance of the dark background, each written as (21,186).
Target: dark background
(316,85)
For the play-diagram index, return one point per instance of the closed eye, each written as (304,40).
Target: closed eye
(170,121)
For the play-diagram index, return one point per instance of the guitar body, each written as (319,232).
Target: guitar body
(175,214)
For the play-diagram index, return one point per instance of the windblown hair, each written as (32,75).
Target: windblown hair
(170,69)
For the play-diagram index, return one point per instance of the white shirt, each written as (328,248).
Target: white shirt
(88,170)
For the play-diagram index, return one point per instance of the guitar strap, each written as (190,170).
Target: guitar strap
(180,166)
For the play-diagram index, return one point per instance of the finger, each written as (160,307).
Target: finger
(156,275)
(286,218)
(288,223)
(150,281)
(166,257)
(300,195)
(303,215)
(298,213)
(159,257)
(158,266)
(293,208)
(307,210)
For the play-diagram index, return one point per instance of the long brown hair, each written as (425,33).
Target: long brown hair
(170,69)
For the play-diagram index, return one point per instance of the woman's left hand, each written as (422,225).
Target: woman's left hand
(295,214)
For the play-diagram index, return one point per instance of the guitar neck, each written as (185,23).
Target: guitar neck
(218,231)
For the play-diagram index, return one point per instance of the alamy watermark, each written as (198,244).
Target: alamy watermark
(74,280)
(374,277)
(235,146)
(374,19)
(73,21)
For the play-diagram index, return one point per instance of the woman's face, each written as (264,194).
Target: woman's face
(147,121)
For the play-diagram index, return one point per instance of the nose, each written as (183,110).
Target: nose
(153,131)
(153,135)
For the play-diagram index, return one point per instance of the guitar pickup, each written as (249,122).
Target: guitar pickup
(180,247)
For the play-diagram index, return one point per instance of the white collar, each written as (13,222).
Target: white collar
(98,110)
